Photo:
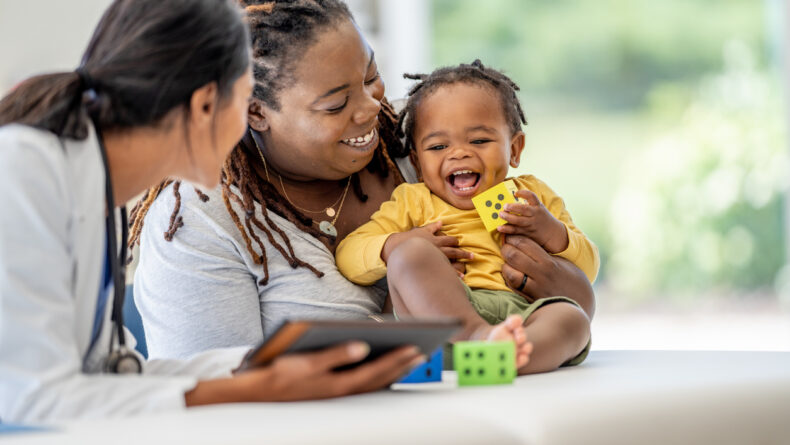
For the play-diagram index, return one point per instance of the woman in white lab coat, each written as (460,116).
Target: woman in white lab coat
(162,92)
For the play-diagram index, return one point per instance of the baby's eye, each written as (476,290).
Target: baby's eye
(481,141)
(436,147)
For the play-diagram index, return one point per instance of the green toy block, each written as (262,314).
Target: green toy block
(484,362)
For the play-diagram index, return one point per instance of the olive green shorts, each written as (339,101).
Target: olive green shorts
(496,305)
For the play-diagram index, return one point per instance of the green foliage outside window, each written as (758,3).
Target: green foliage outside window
(679,123)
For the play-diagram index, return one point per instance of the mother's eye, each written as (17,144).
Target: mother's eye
(339,108)
(373,79)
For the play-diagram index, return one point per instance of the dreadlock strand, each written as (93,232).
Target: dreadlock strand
(264,260)
(227,195)
(142,207)
(203,197)
(175,219)
(256,192)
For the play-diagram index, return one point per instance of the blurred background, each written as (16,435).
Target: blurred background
(663,124)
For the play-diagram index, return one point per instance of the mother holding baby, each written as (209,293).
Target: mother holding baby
(225,267)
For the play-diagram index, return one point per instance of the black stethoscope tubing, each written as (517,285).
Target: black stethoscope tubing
(118,271)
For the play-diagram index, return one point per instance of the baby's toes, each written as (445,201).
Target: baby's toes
(522,354)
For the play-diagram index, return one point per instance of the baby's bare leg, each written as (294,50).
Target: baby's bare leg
(559,332)
(423,283)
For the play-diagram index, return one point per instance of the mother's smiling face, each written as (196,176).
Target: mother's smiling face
(326,124)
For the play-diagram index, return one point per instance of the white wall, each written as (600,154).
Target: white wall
(38,36)
(399,32)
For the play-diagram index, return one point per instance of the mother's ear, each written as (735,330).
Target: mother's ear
(257,116)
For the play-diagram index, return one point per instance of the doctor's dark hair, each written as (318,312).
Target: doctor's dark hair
(146,58)
(282,31)
(475,73)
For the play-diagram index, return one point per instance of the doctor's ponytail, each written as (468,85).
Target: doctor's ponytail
(146,58)
(51,101)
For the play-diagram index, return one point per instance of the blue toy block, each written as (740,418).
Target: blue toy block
(430,371)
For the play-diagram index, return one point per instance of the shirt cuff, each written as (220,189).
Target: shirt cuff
(571,253)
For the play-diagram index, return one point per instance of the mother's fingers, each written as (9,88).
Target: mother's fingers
(514,278)
(516,247)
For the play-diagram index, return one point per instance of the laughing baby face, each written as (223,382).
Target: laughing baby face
(463,142)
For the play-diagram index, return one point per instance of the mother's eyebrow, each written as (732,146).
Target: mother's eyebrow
(345,85)
(332,91)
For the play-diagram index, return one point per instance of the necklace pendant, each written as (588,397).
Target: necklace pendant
(330,212)
(327,228)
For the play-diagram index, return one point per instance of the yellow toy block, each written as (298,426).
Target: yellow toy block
(492,201)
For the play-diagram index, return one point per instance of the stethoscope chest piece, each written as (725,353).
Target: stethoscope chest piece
(123,361)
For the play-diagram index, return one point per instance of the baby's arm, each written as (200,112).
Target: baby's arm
(358,256)
(551,226)
(362,255)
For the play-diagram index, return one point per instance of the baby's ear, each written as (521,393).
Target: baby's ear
(516,147)
(257,116)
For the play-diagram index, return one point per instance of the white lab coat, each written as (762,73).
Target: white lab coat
(52,235)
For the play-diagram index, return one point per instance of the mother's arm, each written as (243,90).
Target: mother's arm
(547,275)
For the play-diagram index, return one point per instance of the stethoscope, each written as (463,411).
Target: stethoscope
(121,360)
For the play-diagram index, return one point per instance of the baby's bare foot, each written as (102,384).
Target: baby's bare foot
(510,329)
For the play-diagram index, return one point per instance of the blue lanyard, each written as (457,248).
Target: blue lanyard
(104,288)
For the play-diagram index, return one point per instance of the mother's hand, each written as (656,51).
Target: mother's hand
(547,275)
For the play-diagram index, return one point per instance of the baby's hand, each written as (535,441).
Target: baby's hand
(534,220)
(431,232)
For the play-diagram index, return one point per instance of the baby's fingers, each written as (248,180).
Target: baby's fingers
(459,267)
(530,196)
(516,220)
(520,208)
(441,241)
(455,254)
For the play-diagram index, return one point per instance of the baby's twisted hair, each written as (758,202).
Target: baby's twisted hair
(474,73)
(281,32)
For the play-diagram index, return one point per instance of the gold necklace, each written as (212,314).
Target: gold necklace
(326,227)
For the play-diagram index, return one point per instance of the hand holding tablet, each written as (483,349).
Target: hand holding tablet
(381,337)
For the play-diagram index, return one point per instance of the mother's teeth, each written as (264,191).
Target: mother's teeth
(361,140)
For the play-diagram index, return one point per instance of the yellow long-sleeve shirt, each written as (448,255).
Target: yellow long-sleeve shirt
(413,205)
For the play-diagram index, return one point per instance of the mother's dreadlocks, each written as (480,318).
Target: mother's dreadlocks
(474,73)
(281,32)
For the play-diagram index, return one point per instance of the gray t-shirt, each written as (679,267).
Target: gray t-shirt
(200,291)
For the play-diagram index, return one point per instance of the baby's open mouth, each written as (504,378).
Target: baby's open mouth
(463,180)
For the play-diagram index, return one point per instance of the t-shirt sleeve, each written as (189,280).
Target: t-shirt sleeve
(358,256)
(196,292)
(581,251)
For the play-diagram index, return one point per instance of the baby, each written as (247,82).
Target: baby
(464,124)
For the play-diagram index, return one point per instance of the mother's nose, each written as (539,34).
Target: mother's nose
(367,110)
